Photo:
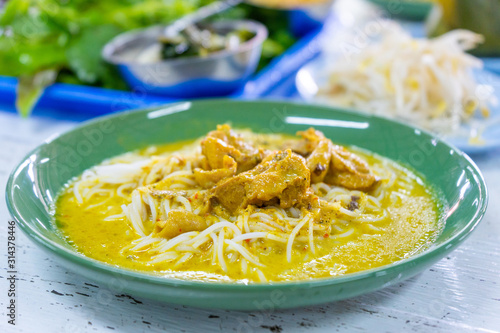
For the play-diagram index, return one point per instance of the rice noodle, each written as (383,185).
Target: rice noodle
(177,240)
(165,256)
(245,222)
(244,266)
(97,204)
(311,239)
(345,234)
(145,241)
(250,235)
(220,251)
(134,212)
(183,259)
(244,252)
(115,217)
(262,277)
(262,216)
(276,238)
(76,192)
(214,247)
(215,227)
(292,237)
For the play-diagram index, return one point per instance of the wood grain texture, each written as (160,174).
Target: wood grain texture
(460,293)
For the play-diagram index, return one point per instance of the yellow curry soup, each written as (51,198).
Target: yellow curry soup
(244,207)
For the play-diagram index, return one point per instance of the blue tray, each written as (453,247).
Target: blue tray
(76,102)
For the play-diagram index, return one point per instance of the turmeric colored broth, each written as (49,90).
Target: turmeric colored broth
(412,224)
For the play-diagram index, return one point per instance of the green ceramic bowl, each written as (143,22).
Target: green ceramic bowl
(34,184)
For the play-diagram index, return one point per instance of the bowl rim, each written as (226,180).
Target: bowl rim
(89,263)
(260,30)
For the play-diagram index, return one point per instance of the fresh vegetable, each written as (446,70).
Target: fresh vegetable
(37,36)
(65,37)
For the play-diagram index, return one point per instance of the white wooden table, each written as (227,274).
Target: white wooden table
(460,293)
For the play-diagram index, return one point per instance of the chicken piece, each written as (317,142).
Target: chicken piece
(281,178)
(208,179)
(334,164)
(350,171)
(312,137)
(319,160)
(317,149)
(304,147)
(224,141)
(179,222)
(215,150)
(311,140)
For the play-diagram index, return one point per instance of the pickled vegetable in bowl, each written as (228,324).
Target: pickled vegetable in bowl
(214,61)
(194,41)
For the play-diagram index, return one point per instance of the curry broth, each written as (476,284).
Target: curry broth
(412,225)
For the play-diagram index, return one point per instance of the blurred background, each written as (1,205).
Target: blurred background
(75,59)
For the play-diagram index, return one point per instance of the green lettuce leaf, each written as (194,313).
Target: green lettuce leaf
(30,88)
(84,53)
